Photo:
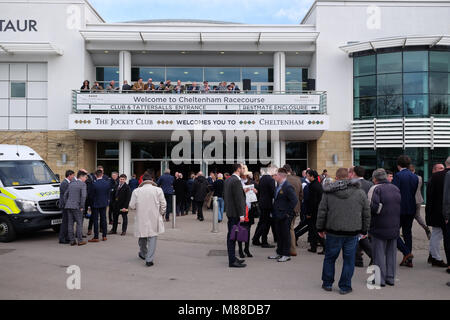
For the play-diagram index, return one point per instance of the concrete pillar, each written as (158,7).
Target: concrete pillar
(276,153)
(125,157)
(282,152)
(279,72)
(124,67)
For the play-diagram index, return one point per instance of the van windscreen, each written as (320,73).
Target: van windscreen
(25,173)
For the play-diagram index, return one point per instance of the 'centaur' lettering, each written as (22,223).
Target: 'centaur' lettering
(18,25)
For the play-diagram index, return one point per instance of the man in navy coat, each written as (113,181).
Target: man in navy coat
(100,196)
(283,213)
(407,182)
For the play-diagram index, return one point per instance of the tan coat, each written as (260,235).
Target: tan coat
(296,182)
(149,205)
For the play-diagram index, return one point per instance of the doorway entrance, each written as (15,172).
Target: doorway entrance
(140,166)
(185,169)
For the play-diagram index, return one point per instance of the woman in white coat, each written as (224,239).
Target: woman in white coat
(149,205)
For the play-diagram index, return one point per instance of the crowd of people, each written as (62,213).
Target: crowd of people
(346,213)
(161,87)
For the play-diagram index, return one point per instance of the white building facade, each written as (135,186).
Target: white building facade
(356,82)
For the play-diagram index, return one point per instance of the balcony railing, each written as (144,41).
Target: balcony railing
(244,102)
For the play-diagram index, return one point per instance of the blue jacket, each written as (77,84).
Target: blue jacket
(385,202)
(166,183)
(285,202)
(407,182)
(100,193)
(133,184)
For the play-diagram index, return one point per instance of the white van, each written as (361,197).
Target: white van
(29,193)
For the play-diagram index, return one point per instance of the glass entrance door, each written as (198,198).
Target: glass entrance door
(140,166)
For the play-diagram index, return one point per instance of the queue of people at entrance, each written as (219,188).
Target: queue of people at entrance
(161,87)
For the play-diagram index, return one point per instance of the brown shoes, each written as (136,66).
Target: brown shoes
(94,240)
(123,233)
(82,243)
(293,254)
(89,232)
(104,239)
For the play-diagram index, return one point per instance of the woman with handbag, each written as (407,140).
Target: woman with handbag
(249,220)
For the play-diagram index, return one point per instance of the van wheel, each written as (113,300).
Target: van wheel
(56,228)
(7,232)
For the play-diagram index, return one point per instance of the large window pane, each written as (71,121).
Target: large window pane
(363,66)
(258,74)
(389,84)
(415,61)
(296,150)
(414,83)
(294,75)
(365,107)
(185,74)
(416,105)
(109,166)
(223,74)
(365,86)
(107,150)
(390,105)
(389,62)
(440,61)
(107,74)
(17,89)
(156,74)
(439,82)
(146,150)
(366,158)
(439,104)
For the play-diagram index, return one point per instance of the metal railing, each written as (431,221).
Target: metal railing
(154,102)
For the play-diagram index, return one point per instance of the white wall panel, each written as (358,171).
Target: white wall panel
(37,108)
(4,107)
(18,107)
(36,123)
(16,123)
(37,72)
(18,71)
(4,71)
(37,90)
(4,89)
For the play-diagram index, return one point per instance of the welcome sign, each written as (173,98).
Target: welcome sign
(197,102)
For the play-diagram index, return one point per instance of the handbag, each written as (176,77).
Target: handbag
(239,233)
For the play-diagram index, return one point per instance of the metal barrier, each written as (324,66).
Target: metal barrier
(215,228)
(174,211)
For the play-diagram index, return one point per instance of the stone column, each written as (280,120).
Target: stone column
(279,72)
(124,67)
(125,157)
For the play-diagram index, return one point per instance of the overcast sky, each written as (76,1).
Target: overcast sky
(244,11)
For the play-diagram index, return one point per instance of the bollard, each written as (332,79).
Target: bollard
(174,211)
(215,215)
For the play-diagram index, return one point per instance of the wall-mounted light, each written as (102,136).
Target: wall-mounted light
(64,158)
(335,158)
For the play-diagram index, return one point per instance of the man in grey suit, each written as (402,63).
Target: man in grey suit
(74,202)
(63,231)
(234,198)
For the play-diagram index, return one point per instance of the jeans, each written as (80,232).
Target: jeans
(169,205)
(96,212)
(221,203)
(333,247)
(147,248)
(231,244)
(406,222)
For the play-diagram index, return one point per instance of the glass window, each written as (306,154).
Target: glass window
(223,74)
(108,150)
(365,107)
(107,74)
(296,150)
(156,74)
(389,84)
(148,150)
(294,87)
(18,90)
(414,83)
(28,172)
(390,105)
(414,61)
(363,66)
(439,104)
(258,74)
(366,158)
(185,74)
(439,82)
(109,166)
(440,61)
(298,166)
(416,105)
(365,86)
(389,62)
(294,75)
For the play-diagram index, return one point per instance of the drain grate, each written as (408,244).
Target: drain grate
(5,251)
(217,253)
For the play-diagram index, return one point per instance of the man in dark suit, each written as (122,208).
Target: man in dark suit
(283,213)
(407,182)
(266,191)
(63,231)
(315,192)
(121,200)
(234,197)
(74,201)
(100,196)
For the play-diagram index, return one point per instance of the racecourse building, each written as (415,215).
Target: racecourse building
(354,82)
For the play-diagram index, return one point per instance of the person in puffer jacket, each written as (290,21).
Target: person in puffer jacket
(343,218)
